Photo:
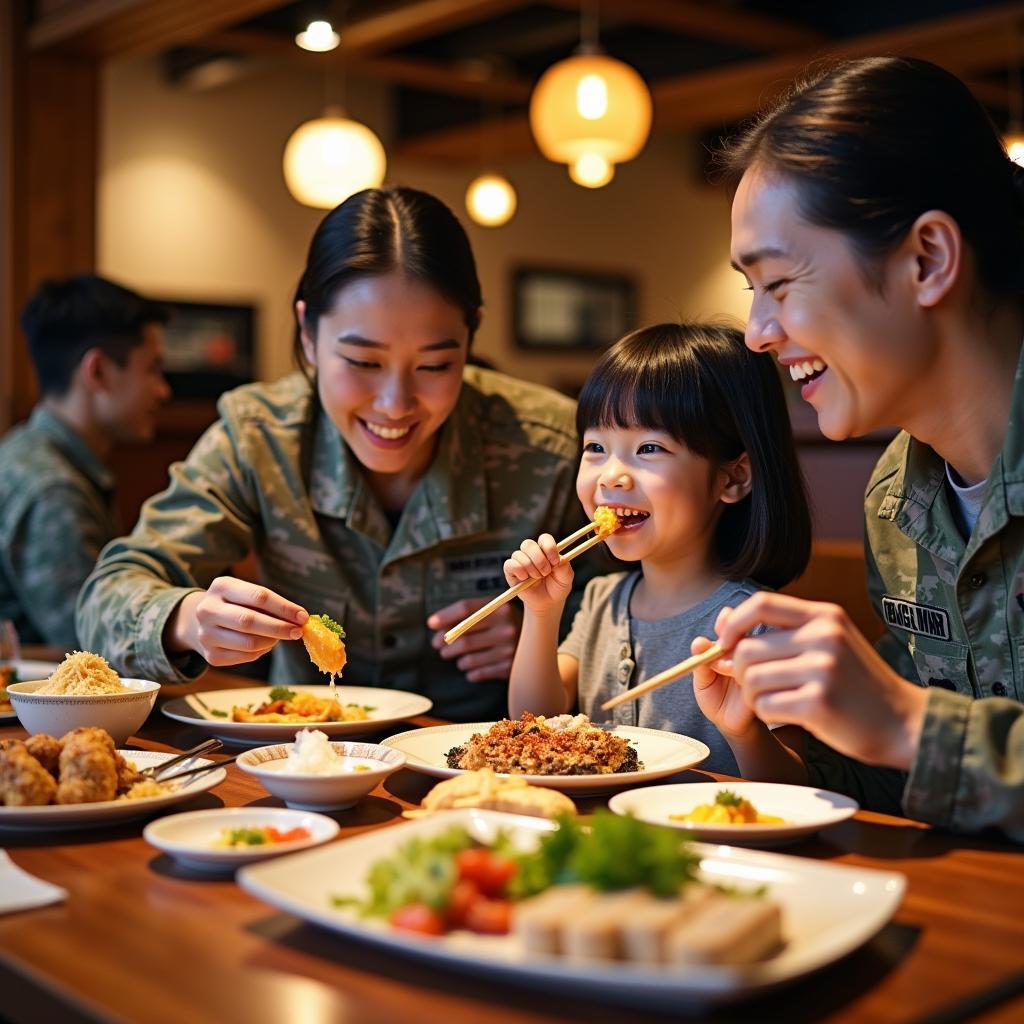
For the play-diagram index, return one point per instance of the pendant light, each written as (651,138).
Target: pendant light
(491,200)
(590,111)
(330,158)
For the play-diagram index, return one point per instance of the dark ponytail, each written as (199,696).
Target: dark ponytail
(381,230)
(875,143)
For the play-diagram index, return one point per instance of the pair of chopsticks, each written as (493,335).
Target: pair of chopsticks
(156,771)
(480,614)
(670,675)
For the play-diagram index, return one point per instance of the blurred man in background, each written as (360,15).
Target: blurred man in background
(97,349)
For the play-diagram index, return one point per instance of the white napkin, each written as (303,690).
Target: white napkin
(21,891)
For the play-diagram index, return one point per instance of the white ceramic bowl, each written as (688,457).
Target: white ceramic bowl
(333,792)
(191,837)
(121,714)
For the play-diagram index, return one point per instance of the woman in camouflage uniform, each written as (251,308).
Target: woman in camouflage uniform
(385,490)
(880,225)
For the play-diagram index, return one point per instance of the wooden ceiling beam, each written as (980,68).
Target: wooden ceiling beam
(110,28)
(965,43)
(102,29)
(415,21)
(455,79)
(761,32)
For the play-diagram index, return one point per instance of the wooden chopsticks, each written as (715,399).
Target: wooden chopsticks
(480,614)
(670,675)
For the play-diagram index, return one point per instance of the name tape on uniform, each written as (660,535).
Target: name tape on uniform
(916,618)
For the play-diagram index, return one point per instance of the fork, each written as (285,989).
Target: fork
(208,746)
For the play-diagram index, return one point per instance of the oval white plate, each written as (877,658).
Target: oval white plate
(190,837)
(828,911)
(388,706)
(805,809)
(55,816)
(28,671)
(662,753)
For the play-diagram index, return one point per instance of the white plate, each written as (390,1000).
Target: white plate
(190,837)
(662,753)
(828,911)
(805,810)
(389,706)
(55,816)
(27,672)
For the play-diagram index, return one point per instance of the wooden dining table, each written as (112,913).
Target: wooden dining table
(140,938)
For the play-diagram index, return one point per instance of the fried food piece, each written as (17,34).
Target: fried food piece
(88,768)
(24,782)
(46,750)
(127,774)
(606,519)
(323,639)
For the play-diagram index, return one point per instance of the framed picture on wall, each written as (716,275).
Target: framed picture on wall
(566,310)
(211,347)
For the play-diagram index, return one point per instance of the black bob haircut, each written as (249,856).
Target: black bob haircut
(700,384)
(65,319)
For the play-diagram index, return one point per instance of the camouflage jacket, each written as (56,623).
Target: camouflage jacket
(955,613)
(55,516)
(274,476)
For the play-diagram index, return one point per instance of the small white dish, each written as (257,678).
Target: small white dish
(191,838)
(121,714)
(804,810)
(314,792)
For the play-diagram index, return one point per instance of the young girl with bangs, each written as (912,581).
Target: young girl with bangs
(685,434)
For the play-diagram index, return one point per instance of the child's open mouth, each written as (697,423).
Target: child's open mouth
(629,518)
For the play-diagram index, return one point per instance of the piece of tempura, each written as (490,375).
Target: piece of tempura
(606,519)
(324,638)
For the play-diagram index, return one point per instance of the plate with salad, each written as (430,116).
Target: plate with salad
(260,715)
(624,910)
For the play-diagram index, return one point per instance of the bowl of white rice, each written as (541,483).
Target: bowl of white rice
(84,690)
(314,774)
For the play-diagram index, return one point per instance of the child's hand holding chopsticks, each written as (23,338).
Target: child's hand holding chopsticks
(541,561)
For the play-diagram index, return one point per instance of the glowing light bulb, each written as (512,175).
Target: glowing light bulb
(318,37)
(491,200)
(1014,143)
(592,97)
(591,170)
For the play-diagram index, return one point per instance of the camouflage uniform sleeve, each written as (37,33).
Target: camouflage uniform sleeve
(969,765)
(53,549)
(186,536)
(890,647)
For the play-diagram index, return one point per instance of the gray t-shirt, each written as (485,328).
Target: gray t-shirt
(617,651)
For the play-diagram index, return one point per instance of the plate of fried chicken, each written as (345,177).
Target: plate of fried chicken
(81,779)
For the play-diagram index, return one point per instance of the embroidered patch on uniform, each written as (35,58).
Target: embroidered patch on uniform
(916,618)
(482,573)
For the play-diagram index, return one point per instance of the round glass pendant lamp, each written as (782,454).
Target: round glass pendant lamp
(590,105)
(329,158)
(491,200)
